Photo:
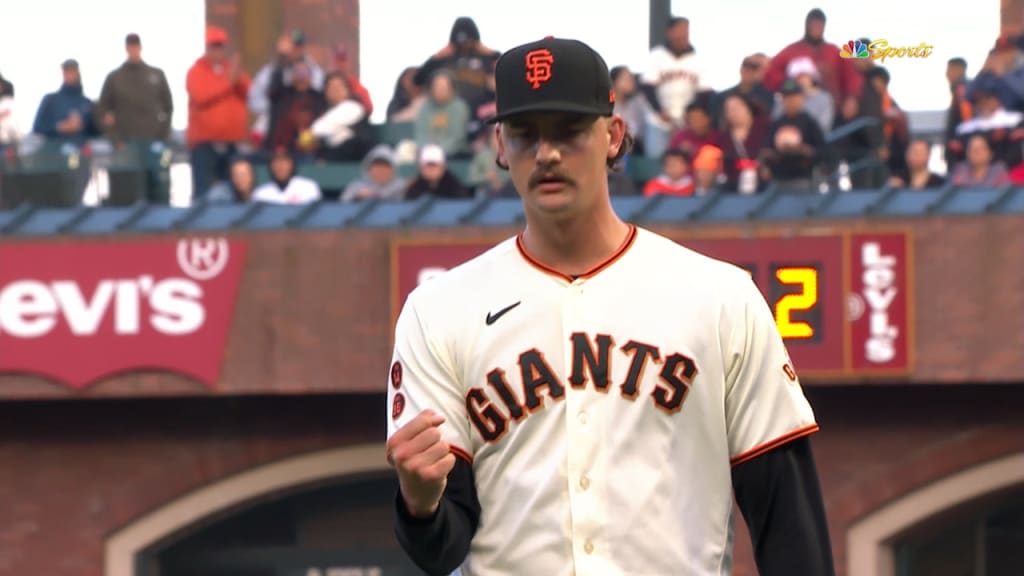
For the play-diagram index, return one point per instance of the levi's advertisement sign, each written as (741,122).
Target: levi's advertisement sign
(843,302)
(79,312)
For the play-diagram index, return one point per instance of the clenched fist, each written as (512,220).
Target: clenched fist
(423,461)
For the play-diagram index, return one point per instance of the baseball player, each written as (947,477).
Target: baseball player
(588,396)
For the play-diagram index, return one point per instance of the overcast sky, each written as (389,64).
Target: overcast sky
(397,33)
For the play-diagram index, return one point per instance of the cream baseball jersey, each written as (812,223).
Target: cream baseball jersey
(601,414)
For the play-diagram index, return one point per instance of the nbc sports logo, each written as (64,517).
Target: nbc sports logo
(854,49)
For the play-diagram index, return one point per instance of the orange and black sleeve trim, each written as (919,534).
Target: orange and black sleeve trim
(440,544)
(778,493)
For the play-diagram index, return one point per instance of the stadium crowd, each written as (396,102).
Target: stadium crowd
(800,120)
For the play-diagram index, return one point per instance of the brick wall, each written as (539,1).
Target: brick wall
(73,472)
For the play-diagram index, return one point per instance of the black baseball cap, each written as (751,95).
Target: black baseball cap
(552,75)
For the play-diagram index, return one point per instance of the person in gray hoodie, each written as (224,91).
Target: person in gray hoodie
(380,180)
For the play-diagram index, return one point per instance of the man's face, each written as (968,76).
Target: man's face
(381,172)
(698,120)
(281,167)
(792,104)
(215,52)
(678,36)
(134,52)
(815,29)
(955,73)
(978,152)
(558,161)
(441,88)
(432,171)
(917,155)
(986,104)
(749,72)
(242,176)
(72,77)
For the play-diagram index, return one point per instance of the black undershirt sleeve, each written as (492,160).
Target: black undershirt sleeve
(780,498)
(650,91)
(439,544)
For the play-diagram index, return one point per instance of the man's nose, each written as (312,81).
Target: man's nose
(548,152)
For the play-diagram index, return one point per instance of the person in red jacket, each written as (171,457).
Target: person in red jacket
(217,112)
(839,77)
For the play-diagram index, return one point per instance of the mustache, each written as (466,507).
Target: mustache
(548,173)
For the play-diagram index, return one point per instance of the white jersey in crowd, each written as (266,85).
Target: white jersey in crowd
(678,80)
(602,415)
(300,190)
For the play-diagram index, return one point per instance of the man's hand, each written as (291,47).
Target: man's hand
(423,461)
(234,67)
(71,124)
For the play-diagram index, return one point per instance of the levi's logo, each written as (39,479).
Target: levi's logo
(78,312)
(538,67)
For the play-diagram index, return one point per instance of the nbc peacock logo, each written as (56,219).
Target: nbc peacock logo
(855,49)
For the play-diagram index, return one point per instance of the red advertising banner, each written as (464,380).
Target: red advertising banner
(78,312)
(815,285)
(879,302)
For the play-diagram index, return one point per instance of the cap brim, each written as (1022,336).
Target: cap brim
(564,107)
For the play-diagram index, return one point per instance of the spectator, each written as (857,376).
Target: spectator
(239,186)
(135,102)
(794,143)
(217,114)
(291,50)
(1005,74)
(631,105)
(6,87)
(959,106)
(465,57)
(444,119)
(380,179)
(746,132)
(895,129)
(839,77)
(863,123)
(698,131)
(344,129)
(675,179)
(707,169)
(817,102)
(343,66)
(483,108)
(749,86)
(980,170)
(66,114)
(285,186)
(916,174)
(294,108)
(1001,127)
(484,175)
(674,77)
(9,132)
(434,177)
(408,98)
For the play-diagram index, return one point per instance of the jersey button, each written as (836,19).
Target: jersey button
(588,548)
(584,483)
(583,417)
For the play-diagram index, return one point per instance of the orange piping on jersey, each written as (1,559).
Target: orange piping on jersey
(630,238)
(460,453)
(773,444)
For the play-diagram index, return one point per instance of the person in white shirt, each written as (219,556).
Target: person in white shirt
(674,77)
(285,186)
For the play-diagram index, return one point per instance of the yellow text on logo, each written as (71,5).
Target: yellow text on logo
(880,50)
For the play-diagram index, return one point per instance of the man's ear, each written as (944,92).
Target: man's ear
(616,135)
(499,160)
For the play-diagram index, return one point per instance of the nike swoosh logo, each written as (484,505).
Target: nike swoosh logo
(492,317)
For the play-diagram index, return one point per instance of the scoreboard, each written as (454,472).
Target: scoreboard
(841,301)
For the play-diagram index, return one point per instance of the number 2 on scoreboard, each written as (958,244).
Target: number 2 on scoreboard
(806,296)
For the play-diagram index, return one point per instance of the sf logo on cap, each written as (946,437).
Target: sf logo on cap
(538,67)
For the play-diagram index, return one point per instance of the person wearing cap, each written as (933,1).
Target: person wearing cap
(525,432)
(66,114)
(380,179)
(817,102)
(468,59)
(795,143)
(434,178)
(217,114)
(135,103)
(291,49)
(1004,129)
(839,77)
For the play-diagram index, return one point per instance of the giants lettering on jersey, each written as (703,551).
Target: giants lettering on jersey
(673,75)
(503,401)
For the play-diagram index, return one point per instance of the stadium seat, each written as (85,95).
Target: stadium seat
(641,169)
(675,208)
(105,220)
(788,206)
(729,206)
(392,133)
(912,202)
(216,216)
(47,222)
(970,201)
(850,204)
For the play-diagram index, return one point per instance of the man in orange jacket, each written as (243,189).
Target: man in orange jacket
(217,113)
